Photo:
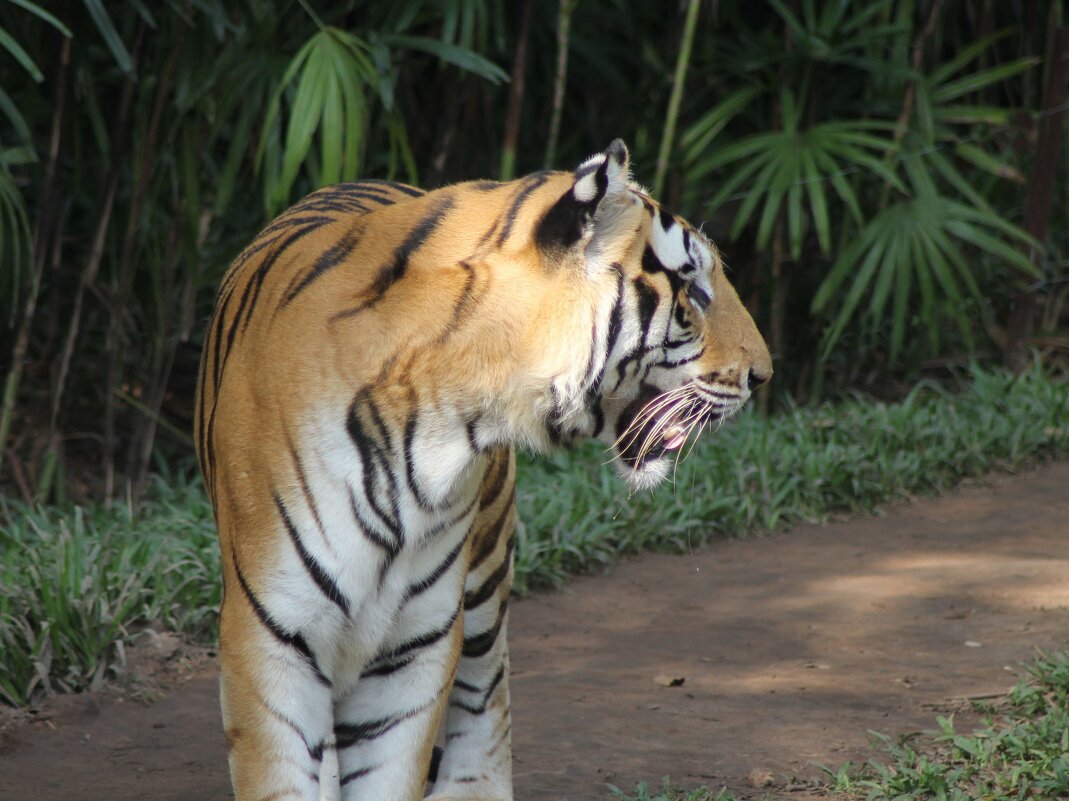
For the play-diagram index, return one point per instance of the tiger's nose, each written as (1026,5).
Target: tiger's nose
(755,379)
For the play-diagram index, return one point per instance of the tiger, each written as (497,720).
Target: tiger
(376,356)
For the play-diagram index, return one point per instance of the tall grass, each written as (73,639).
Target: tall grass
(77,583)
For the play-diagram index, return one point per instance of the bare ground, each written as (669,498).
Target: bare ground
(790,649)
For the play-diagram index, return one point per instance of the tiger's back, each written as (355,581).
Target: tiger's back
(375,355)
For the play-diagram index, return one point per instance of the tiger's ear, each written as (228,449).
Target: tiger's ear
(572,220)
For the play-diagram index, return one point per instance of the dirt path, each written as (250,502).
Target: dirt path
(791,648)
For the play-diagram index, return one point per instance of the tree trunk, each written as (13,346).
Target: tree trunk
(515,107)
(1040,197)
(564,27)
(47,223)
(672,115)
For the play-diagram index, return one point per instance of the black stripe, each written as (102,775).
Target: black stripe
(368,189)
(288,722)
(648,300)
(445,525)
(593,408)
(473,434)
(481,707)
(331,258)
(501,474)
(318,573)
(400,656)
(265,267)
(350,734)
(305,488)
(616,315)
(386,668)
(679,311)
(480,644)
(410,466)
(294,640)
(652,264)
(391,273)
(369,530)
(394,270)
(491,541)
(429,581)
(209,444)
(372,459)
(217,340)
(336,203)
(404,189)
(684,360)
(281,224)
(357,774)
(528,185)
(436,761)
(501,738)
(464,305)
(471,688)
(347,735)
(493,581)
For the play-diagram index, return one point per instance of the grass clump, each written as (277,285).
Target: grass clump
(800,466)
(1020,752)
(77,583)
(668,792)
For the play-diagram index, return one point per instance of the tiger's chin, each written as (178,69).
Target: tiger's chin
(647,474)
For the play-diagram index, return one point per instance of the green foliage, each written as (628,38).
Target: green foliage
(871,170)
(135,142)
(1020,752)
(142,145)
(77,584)
(914,247)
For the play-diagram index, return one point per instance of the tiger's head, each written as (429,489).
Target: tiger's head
(672,349)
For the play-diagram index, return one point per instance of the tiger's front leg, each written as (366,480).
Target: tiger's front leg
(384,731)
(476,762)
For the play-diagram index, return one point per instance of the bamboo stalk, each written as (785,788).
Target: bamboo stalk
(515,107)
(672,115)
(564,27)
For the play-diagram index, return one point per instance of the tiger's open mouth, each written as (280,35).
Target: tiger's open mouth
(661,424)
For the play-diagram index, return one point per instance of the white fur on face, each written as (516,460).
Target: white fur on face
(683,252)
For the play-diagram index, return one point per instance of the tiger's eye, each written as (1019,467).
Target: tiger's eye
(699,297)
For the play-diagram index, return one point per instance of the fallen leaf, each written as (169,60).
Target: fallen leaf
(759,777)
(664,680)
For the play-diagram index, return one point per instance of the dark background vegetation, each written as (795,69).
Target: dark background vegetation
(887,178)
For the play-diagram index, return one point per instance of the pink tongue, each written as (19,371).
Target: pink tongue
(676,441)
